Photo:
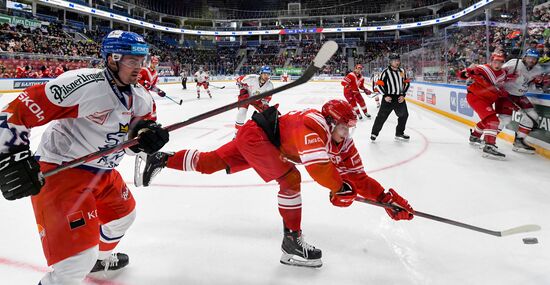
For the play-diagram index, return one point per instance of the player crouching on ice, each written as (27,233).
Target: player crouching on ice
(272,144)
(82,213)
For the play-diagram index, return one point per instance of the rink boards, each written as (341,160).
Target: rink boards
(448,100)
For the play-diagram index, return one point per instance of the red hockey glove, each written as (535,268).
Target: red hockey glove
(391,197)
(344,197)
(243,94)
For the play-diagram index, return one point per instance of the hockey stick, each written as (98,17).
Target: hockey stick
(525,37)
(516,230)
(217,87)
(325,53)
(171,99)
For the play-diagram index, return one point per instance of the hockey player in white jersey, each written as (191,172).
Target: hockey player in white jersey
(82,212)
(201,78)
(517,85)
(251,85)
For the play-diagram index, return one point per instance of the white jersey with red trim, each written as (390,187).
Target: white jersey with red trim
(520,85)
(86,115)
(251,83)
(201,76)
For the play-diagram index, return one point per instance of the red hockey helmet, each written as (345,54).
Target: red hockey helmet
(339,112)
(498,56)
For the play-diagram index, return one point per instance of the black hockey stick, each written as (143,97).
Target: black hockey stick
(516,230)
(217,87)
(325,53)
(171,99)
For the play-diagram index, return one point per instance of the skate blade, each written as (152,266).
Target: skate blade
(522,150)
(401,139)
(493,157)
(294,260)
(475,144)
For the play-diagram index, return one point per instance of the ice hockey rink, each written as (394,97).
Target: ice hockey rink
(226,229)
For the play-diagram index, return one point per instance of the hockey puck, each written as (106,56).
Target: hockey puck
(530,241)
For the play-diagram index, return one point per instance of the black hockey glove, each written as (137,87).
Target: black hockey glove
(151,136)
(20,174)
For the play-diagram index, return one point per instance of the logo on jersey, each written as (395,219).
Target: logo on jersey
(61,92)
(41,231)
(99,117)
(111,140)
(125,194)
(76,220)
(312,139)
(33,107)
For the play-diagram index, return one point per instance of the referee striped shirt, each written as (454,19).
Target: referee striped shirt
(393,82)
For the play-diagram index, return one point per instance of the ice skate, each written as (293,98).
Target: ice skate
(297,252)
(491,151)
(522,147)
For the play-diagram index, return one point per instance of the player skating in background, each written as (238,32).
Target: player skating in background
(148,77)
(201,78)
(483,92)
(82,213)
(527,73)
(272,144)
(353,82)
(284,77)
(251,85)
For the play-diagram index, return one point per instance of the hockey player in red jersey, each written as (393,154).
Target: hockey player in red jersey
(60,69)
(272,144)
(353,82)
(148,77)
(83,212)
(484,91)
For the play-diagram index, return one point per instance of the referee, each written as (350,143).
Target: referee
(393,84)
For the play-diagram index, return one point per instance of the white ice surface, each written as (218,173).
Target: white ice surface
(225,229)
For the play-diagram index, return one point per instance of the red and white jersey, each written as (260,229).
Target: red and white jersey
(85,113)
(148,77)
(486,81)
(252,84)
(353,82)
(306,138)
(520,85)
(201,76)
(239,81)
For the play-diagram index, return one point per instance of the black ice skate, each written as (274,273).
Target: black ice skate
(491,151)
(474,141)
(154,164)
(521,146)
(373,138)
(402,137)
(297,252)
(367,115)
(115,261)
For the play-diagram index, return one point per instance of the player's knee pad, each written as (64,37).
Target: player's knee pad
(72,270)
(529,118)
(504,120)
(290,182)
(113,231)
(209,162)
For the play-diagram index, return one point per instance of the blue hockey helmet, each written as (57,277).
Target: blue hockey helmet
(532,53)
(265,69)
(123,43)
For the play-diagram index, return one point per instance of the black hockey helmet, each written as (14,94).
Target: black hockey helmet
(393,56)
